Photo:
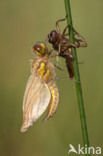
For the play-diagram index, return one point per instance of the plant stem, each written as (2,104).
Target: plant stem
(77,77)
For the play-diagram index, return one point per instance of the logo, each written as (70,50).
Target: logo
(84,149)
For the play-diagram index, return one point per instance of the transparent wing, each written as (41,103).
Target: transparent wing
(36,99)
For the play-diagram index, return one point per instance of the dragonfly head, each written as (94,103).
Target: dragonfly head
(40,49)
(53,36)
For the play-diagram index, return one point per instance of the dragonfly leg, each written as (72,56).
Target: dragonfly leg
(58,67)
(81,42)
(57,23)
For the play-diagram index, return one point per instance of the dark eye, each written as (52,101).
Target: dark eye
(53,33)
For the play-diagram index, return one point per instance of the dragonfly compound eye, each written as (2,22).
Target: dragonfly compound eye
(52,37)
(39,49)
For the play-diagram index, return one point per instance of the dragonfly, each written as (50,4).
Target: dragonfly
(41,91)
(61,43)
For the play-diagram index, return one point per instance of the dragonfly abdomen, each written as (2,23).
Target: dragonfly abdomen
(54,100)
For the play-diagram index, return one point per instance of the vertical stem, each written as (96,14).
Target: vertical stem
(77,78)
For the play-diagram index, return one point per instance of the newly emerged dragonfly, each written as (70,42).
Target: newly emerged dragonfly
(41,91)
(63,46)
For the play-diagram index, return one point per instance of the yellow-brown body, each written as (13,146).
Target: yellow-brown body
(45,69)
(41,91)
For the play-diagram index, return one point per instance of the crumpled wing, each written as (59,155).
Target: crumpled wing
(36,99)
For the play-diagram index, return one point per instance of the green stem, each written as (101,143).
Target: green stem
(77,77)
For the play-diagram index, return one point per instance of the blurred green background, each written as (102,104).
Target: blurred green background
(22,23)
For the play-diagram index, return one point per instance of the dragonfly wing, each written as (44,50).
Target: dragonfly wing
(36,99)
